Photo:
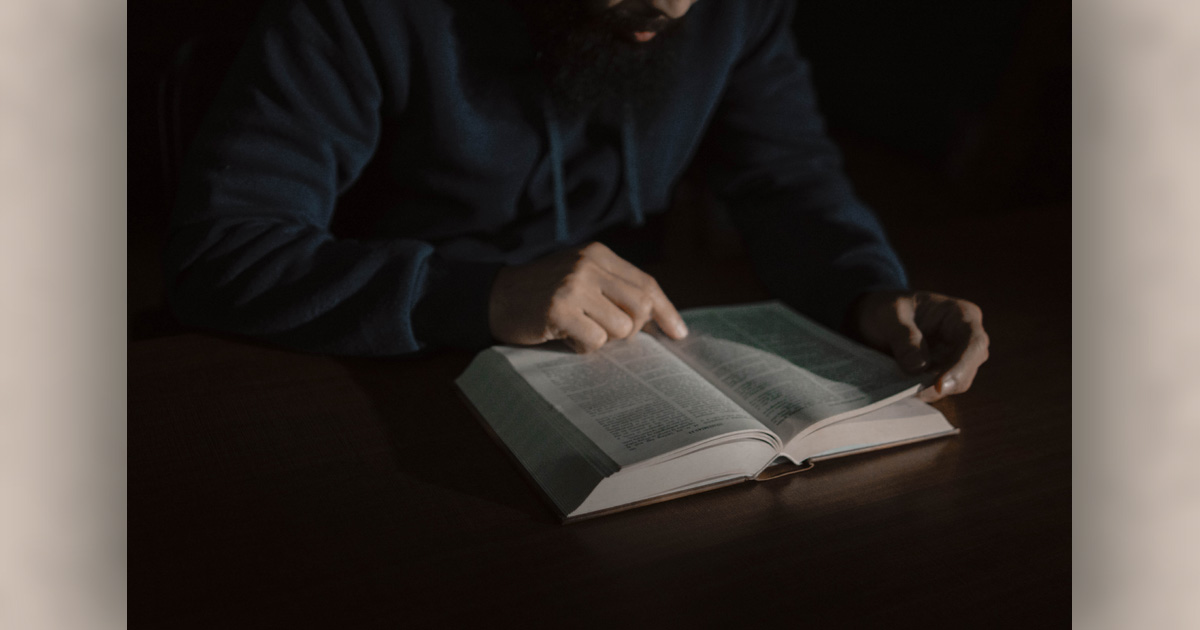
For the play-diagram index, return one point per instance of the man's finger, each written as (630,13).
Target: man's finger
(931,394)
(646,303)
(580,332)
(961,375)
(667,318)
(636,303)
(631,288)
(904,337)
(908,346)
(963,343)
(616,322)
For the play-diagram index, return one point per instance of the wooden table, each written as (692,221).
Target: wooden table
(275,489)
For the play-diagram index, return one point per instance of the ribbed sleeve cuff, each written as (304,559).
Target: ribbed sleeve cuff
(828,300)
(836,312)
(453,308)
(846,285)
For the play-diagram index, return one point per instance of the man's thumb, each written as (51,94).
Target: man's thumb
(908,347)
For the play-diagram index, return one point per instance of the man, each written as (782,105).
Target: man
(499,137)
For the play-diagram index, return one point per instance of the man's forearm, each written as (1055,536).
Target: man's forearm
(301,288)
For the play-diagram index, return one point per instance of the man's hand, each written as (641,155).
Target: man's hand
(925,331)
(586,297)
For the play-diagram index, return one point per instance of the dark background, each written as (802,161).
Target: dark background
(954,122)
(942,109)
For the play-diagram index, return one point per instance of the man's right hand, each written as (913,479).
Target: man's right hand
(585,296)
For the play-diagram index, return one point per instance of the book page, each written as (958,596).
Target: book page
(902,421)
(563,462)
(789,372)
(634,399)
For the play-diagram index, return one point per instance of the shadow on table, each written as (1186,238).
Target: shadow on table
(433,436)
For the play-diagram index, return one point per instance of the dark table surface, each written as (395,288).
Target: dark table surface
(276,489)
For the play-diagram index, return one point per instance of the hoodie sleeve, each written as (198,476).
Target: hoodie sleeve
(812,242)
(250,251)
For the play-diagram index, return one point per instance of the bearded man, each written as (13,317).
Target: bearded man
(500,137)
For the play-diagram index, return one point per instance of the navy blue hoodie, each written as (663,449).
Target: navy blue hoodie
(438,104)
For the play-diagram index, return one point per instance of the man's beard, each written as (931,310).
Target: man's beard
(586,57)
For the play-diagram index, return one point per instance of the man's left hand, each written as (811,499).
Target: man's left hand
(925,331)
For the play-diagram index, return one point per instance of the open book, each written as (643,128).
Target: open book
(753,391)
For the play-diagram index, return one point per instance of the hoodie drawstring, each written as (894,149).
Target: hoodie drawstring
(629,157)
(629,148)
(554,133)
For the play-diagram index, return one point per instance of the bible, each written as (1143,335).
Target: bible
(753,392)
